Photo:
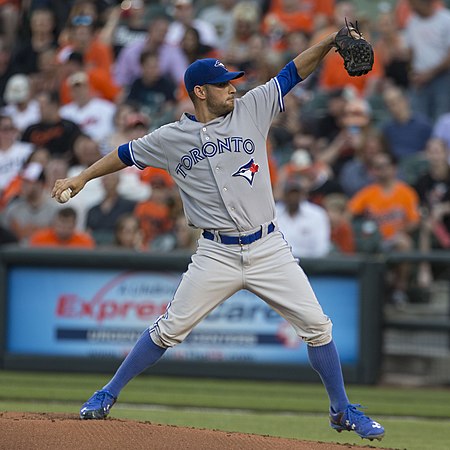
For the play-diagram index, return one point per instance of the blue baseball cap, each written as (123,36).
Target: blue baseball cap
(207,71)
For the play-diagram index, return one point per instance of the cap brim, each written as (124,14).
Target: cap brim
(228,76)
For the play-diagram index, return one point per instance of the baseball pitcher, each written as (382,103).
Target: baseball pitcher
(218,160)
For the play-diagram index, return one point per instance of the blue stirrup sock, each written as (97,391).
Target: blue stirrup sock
(144,354)
(325,361)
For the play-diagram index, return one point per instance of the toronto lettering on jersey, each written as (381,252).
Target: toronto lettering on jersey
(234,144)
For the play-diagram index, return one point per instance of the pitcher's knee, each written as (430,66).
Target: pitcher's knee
(318,334)
(162,337)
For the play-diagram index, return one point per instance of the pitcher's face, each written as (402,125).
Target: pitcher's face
(220,98)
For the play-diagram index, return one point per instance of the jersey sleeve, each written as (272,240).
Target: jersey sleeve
(264,102)
(288,77)
(144,152)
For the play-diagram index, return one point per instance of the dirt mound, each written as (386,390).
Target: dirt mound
(45,431)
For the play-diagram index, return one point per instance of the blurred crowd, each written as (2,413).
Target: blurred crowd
(358,164)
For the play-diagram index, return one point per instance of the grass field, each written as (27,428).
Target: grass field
(415,419)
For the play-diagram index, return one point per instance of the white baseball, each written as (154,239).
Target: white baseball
(65,196)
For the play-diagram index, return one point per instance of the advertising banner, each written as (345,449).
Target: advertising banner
(101,313)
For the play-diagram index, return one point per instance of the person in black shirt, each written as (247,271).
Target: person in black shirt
(52,132)
(433,188)
(25,54)
(153,92)
(7,236)
(331,124)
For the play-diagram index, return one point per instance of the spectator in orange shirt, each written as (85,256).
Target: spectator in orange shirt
(286,16)
(392,203)
(342,235)
(314,10)
(155,214)
(394,206)
(151,174)
(62,233)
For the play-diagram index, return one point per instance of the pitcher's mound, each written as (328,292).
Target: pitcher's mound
(45,431)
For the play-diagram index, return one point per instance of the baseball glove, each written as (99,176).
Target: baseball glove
(356,52)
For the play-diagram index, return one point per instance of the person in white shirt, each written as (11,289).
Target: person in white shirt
(19,105)
(305,226)
(13,153)
(428,41)
(92,114)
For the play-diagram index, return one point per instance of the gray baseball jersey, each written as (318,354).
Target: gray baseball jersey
(220,167)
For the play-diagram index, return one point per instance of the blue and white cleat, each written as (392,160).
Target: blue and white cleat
(98,406)
(351,419)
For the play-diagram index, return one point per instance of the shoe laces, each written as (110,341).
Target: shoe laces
(102,397)
(356,416)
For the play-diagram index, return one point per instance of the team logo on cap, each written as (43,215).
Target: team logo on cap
(247,171)
(219,64)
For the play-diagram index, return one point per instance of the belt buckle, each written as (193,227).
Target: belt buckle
(240,241)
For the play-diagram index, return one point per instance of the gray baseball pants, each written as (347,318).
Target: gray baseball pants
(266,267)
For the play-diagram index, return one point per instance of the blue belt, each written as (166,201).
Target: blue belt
(239,240)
